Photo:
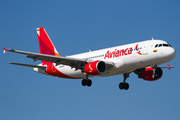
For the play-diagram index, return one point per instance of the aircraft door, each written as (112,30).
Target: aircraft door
(145,48)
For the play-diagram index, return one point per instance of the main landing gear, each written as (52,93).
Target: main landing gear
(124,85)
(86,82)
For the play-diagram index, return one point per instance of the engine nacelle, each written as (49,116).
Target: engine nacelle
(147,74)
(95,68)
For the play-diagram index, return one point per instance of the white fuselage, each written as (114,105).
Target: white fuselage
(125,58)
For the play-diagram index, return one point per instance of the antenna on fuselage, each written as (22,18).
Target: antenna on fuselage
(152,38)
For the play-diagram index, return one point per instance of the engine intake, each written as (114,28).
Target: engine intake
(95,68)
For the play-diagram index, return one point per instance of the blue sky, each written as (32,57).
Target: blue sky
(75,26)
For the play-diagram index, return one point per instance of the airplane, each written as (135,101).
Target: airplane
(142,58)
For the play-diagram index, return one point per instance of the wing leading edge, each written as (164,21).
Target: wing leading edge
(72,62)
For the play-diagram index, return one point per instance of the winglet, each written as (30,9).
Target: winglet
(169,67)
(4,50)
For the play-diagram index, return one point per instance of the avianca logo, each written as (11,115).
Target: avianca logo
(90,68)
(137,49)
(122,52)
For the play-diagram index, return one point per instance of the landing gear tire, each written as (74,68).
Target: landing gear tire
(121,86)
(124,86)
(84,82)
(87,82)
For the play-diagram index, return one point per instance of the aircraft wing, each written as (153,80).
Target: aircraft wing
(168,66)
(27,65)
(72,62)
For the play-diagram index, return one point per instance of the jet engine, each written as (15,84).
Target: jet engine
(95,68)
(151,75)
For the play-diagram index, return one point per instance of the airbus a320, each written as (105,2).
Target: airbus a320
(142,58)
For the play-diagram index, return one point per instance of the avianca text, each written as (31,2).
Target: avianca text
(118,53)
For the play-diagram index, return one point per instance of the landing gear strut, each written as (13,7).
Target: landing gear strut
(124,85)
(86,81)
(154,70)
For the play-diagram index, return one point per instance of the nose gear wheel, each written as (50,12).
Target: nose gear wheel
(124,86)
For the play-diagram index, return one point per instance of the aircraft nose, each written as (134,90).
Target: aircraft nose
(172,53)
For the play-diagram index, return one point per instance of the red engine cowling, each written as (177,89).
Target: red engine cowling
(147,74)
(95,68)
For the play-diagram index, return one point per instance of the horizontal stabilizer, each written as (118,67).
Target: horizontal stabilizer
(26,65)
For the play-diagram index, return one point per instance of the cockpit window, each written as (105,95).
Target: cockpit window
(160,45)
(169,45)
(165,45)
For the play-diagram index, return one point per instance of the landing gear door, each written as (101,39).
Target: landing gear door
(145,48)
